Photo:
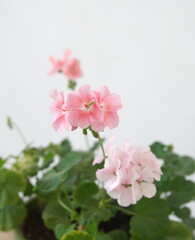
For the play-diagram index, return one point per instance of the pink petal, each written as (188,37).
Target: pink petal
(103,93)
(60,123)
(98,126)
(126,197)
(73,101)
(137,190)
(112,103)
(98,160)
(111,119)
(103,174)
(148,189)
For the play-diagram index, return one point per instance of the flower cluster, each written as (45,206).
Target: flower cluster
(69,66)
(85,108)
(129,173)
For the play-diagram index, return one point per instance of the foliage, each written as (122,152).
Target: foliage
(74,206)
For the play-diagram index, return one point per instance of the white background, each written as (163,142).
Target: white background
(144,50)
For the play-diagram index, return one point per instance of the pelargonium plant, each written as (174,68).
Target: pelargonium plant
(122,192)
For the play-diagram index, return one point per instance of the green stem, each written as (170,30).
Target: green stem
(102,147)
(62,204)
(122,209)
(20,133)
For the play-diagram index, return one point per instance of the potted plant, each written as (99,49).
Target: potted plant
(57,192)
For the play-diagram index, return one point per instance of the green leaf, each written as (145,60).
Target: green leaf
(27,165)
(69,161)
(182,213)
(12,216)
(179,165)
(178,231)
(50,181)
(151,221)
(92,228)
(2,162)
(85,191)
(11,183)
(54,214)
(62,229)
(95,211)
(77,235)
(118,235)
(103,236)
(183,191)
(160,149)
(65,147)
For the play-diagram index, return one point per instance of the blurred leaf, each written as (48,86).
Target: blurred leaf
(182,191)
(11,183)
(77,235)
(51,181)
(84,191)
(151,221)
(178,231)
(103,236)
(12,216)
(160,149)
(2,162)
(62,229)
(67,162)
(92,228)
(65,147)
(28,191)
(95,211)
(182,213)
(48,158)
(27,164)
(118,235)
(54,214)
(178,165)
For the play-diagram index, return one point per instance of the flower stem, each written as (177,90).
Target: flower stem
(122,209)
(62,204)
(102,147)
(20,133)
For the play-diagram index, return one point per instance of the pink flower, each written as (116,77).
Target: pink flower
(72,69)
(84,109)
(110,104)
(69,66)
(59,111)
(124,192)
(129,173)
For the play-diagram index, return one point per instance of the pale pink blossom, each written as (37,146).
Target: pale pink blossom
(145,158)
(124,192)
(69,66)
(110,103)
(59,111)
(84,109)
(129,173)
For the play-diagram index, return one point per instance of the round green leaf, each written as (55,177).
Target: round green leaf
(84,191)
(54,214)
(62,229)
(151,220)
(118,235)
(178,231)
(11,183)
(69,161)
(11,216)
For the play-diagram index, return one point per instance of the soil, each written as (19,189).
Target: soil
(120,221)
(33,227)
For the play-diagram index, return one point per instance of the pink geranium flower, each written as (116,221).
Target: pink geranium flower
(84,109)
(129,173)
(110,104)
(69,66)
(59,111)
